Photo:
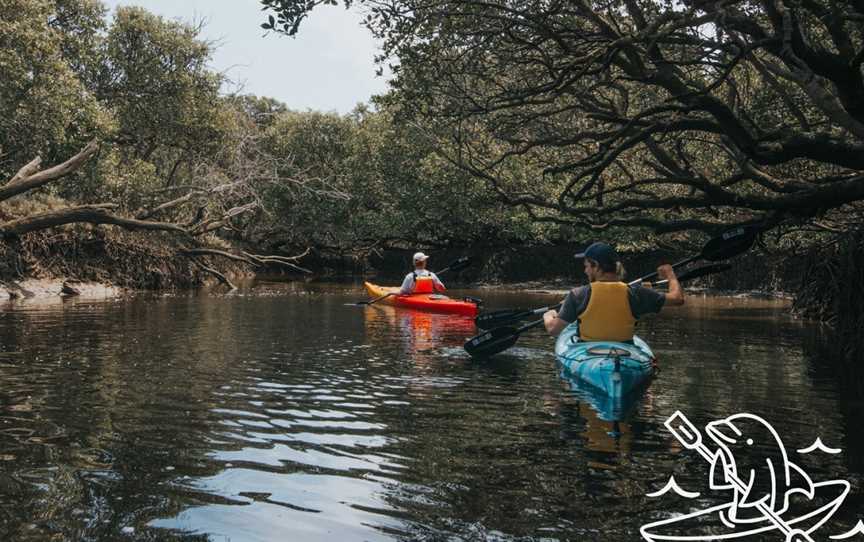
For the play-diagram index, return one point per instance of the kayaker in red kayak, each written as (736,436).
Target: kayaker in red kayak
(421,280)
(607,308)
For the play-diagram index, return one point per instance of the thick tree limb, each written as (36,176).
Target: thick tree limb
(26,179)
(26,171)
(93,214)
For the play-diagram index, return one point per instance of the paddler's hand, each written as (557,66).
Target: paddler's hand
(675,296)
(553,324)
(666,272)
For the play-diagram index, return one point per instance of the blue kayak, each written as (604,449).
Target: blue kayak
(614,368)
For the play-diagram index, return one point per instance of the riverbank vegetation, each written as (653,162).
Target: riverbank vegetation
(507,125)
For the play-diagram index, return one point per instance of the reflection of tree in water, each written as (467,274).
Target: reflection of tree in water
(96,414)
(846,381)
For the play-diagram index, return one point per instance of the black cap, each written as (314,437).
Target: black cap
(601,253)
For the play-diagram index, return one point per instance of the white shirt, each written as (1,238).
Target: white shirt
(408,284)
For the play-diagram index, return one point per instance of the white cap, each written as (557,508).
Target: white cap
(420,257)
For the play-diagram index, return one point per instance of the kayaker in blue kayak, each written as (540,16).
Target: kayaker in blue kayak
(421,280)
(607,308)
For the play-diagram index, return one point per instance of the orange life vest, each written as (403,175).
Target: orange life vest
(424,285)
(608,316)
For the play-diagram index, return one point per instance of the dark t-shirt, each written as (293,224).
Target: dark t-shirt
(642,301)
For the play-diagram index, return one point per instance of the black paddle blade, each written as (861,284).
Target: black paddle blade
(491,342)
(488,320)
(731,243)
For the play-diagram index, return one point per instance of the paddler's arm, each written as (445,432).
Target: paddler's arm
(554,325)
(675,295)
(439,286)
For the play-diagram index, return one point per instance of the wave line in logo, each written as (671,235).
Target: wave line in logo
(820,446)
(673,486)
(857,529)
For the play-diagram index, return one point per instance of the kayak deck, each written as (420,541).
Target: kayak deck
(615,368)
(424,302)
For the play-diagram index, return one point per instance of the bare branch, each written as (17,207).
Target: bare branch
(222,278)
(167,205)
(23,183)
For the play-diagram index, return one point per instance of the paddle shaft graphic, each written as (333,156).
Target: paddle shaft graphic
(689,436)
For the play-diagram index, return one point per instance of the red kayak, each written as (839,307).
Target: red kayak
(423,302)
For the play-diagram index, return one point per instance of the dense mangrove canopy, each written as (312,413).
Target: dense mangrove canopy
(669,115)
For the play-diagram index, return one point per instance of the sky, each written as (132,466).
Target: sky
(327,67)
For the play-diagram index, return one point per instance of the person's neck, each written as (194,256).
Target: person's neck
(608,277)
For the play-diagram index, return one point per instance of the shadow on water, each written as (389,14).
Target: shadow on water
(281,413)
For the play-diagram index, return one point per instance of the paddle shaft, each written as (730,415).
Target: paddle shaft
(693,441)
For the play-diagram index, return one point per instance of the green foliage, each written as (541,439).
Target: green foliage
(141,85)
(363,181)
(44,107)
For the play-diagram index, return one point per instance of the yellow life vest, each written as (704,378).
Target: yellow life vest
(424,285)
(608,316)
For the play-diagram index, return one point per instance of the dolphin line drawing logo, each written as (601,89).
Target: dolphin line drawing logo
(761,485)
(733,437)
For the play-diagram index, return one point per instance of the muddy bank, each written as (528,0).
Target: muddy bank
(99,262)
(57,288)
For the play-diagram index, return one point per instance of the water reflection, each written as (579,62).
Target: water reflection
(282,413)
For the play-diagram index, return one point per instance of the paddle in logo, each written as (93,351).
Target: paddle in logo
(751,465)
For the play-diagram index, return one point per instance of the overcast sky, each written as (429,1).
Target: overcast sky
(328,67)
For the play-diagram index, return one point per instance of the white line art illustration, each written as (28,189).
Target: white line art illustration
(857,529)
(762,486)
(820,447)
(673,486)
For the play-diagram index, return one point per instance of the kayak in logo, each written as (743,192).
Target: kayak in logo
(763,488)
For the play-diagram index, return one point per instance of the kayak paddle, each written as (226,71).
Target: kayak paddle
(489,320)
(723,246)
(698,272)
(496,340)
(456,265)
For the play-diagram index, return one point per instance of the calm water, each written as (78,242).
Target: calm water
(280,413)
